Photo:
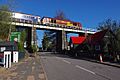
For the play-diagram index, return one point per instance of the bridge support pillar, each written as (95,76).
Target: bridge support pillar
(33,36)
(29,38)
(61,41)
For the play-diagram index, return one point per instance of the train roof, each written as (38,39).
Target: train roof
(26,14)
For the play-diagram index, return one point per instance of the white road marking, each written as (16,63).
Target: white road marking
(85,69)
(63,60)
(31,77)
(57,58)
(33,68)
(41,76)
(66,61)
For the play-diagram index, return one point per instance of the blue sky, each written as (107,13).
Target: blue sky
(88,12)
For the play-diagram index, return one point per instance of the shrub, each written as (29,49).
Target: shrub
(34,48)
(20,47)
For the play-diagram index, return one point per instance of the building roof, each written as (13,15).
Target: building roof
(77,40)
(98,36)
(7,43)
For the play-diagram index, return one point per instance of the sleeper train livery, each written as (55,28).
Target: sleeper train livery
(47,21)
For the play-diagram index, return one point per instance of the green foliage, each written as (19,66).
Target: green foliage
(112,36)
(23,36)
(5,22)
(22,40)
(34,48)
(45,41)
(49,39)
(20,47)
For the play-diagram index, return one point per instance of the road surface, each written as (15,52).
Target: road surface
(61,67)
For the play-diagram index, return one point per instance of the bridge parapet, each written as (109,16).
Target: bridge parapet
(90,31)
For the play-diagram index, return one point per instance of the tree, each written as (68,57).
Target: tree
(5,22)
(23,36)
(22,40)
(45,41)
(112,38)
(60,15)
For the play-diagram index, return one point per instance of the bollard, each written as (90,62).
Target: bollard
(15,56)
(101,60)
(7,59)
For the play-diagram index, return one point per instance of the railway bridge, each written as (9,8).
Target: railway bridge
(61,33)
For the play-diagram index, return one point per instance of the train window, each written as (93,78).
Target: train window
(52,21)
(75,24)
(22,20)
(30,21)
(32,17)
(26,21)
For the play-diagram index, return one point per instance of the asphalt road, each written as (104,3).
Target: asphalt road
(60,67)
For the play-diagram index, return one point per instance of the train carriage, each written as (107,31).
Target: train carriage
(25,18)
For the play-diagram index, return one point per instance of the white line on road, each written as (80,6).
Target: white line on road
(31,77)
(57,57)
(63,60)
(33,68)
(85,69)
(67,61)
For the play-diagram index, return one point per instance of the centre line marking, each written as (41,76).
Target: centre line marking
(85,69)
(67,62)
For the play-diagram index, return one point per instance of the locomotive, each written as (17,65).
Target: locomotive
(60,23)
(47,21)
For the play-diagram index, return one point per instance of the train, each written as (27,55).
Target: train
(47,21)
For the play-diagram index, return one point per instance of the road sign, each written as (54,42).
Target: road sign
(15,36)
